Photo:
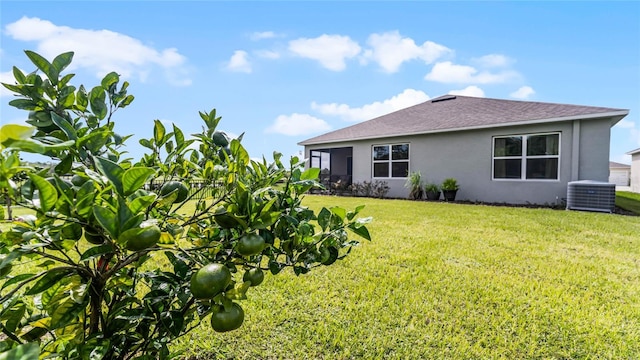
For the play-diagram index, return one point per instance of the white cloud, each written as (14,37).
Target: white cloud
(470,90)
(449,73)
(523,93)
(629,127)
(625,124)
(390,50)
(239,62)
(493,60)
(100,51)
(331,51)
(408,97)
(298,124)
(262,35)
(7,78)
(268,54)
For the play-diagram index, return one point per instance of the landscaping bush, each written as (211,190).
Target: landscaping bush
(111,268)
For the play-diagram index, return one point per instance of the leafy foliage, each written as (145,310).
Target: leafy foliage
(377,189)
(100,229)
(414,183)
(450,184)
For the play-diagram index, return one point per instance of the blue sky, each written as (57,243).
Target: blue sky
(285,71)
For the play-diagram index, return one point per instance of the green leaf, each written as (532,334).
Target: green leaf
(107,218)
(112,171)
(360,230)
(173,321)
(16,279)
(158,132)
(48,280)
(81,98)
(97,99)
(310,174)
(146,143)
(95,140)
(141,202)
(266,219)
(67,97)
(15,132)
(18,75)
(62,61)
(65,313)
(124,215)
(128,100)
(25,104)
(14,317)
(241,156)
(47,192)
(44,65)
(64,167)
(65,79)
(324,217)
(339,212)
(96,251)
(27,351)
(109,79)
(356,211)
(179,136)
(134,178)
(64,125)
(275,267)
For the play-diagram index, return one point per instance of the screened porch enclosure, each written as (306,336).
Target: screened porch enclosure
(335,166)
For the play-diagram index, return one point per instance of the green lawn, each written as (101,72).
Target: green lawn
(452,281)
(629,201)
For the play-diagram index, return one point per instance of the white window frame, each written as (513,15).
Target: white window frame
(524,157)
(390,161)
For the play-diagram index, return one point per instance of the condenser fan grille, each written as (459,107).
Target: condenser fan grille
(591,196)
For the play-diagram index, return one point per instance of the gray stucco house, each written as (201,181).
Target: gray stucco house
(507,151)
(634,182)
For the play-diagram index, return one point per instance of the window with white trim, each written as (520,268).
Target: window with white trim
(526,157)
(390,161)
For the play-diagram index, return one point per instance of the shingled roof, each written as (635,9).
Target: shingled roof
(456,113)
(617,165)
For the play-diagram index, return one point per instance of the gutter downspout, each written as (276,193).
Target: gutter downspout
(575,151)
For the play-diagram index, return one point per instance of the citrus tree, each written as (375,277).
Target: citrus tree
(122,256)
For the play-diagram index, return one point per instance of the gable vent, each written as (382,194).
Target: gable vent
(591,196)
(443,98)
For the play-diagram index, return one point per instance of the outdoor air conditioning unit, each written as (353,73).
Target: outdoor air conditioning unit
(591,196)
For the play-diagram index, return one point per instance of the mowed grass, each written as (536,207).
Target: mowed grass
(451,281)
(629,201)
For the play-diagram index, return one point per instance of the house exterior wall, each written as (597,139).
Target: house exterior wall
(594,150)
(467,156)
(635,172)
(619,176)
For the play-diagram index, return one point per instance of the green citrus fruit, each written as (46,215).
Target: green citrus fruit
(93,238)
(250,244)
(254,276)
(333,256)
(209,281)
(224,321)
(140,238)
(171,186)
(220,138)
(324,254)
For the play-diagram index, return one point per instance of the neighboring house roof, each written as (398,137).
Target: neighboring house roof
(617,165)
(456,113)
(633,152)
